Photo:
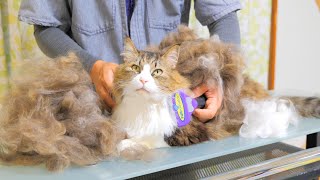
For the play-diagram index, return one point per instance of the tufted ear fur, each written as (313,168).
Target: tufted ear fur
(171,55)
(130,52)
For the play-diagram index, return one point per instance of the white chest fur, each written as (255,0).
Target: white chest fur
(142,117)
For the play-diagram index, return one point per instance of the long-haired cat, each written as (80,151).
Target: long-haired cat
(183,61)
(142,88)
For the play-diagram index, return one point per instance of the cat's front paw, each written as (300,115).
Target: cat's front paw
(193,133)
(131,150)
(125,144)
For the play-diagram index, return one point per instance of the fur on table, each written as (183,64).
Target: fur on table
(52,115)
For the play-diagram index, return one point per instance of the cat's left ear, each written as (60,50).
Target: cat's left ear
(172,55)
(130,52)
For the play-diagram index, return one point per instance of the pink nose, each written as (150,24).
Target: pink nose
(143,81)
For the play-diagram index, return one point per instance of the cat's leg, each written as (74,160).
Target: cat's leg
(153,142)
(193,133)
(131,150)
(141,148)
(126,144)
(149,142)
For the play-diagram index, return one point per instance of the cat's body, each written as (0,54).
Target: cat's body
(143,87)
(199,61)
(139,112)
(152,120)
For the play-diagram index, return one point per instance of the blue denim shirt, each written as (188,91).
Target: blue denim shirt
(100,26)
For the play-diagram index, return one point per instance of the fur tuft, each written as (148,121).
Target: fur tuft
(51,114)
(306,106)
(268,118)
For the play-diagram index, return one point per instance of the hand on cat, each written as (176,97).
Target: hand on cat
(102,75)
(213,102)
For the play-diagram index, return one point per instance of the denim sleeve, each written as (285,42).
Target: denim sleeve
(209,11)
(45,13)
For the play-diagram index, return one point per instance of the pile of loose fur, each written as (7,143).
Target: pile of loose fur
(51,114)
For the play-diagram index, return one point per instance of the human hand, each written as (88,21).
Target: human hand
(213,102)
(102,75)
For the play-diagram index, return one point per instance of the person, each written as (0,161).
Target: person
(95,31)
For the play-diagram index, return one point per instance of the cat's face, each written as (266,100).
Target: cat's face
(148,74)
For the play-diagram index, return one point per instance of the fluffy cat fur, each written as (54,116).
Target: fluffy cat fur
(198,61)
(52,115)
(225,70)
(142,87)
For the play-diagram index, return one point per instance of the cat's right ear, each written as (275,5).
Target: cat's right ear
(172,55)
(130,52)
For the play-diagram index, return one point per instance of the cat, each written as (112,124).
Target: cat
(142,87)
(184,61)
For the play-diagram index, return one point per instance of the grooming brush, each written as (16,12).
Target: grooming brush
(184,105)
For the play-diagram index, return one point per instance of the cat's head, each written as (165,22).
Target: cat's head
(147,74)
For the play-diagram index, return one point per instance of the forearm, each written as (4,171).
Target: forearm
(227,28)
(53,42)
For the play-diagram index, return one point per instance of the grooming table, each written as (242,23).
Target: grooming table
(175,157)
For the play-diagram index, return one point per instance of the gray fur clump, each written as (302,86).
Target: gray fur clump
(52,115)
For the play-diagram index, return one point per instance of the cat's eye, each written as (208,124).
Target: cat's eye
(157,72)
(135,68)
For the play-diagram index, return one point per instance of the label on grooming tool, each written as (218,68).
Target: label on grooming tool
(183,106)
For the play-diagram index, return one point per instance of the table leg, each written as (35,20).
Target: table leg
(313,140)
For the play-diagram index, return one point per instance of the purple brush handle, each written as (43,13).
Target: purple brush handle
(201,101)
(183,106)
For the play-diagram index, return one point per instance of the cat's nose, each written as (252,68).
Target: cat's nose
(143,81)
